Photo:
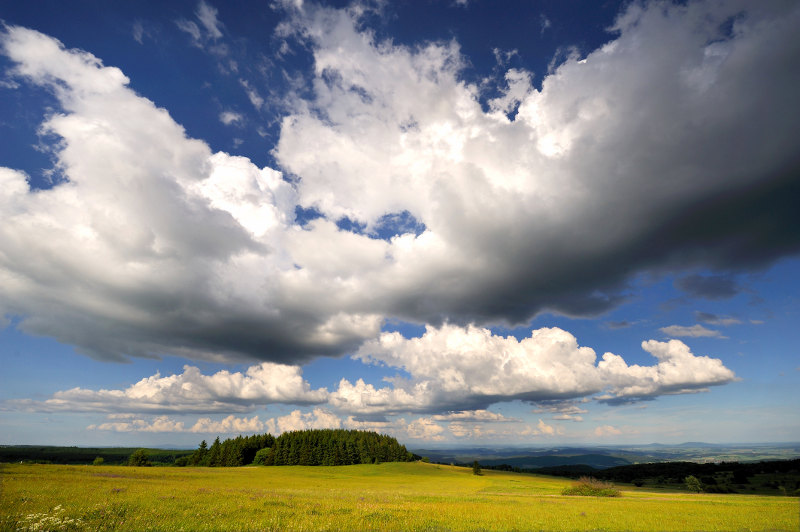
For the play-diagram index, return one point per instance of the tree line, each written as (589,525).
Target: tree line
(304,447)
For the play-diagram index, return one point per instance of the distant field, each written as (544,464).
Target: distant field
(389,496)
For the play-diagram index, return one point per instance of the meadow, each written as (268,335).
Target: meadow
(388,496)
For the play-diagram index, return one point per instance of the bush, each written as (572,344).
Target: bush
(263,456)
(98,461)
(591,487)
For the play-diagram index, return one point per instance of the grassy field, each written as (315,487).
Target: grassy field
(389,496)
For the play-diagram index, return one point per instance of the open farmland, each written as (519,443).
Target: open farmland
(389,496)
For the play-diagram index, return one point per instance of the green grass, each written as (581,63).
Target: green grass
(390,496)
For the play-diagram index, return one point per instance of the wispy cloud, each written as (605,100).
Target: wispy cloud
(209,29)
(230,117)
(712,287)
(693,331)
(713,319)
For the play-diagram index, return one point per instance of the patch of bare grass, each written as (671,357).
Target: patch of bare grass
(591,487)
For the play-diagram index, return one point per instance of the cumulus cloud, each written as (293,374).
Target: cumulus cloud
(642,155)
(468,368)
(626,147)
(159,424)
(454,373)
(198,257)
(189,392)
(228,425)
(319,418)
(425,429)
(678,371)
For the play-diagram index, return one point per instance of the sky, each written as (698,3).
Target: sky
(459,223)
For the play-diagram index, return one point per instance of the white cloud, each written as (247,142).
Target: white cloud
(229,425)
(159,424)
(154,245)
(473,416)
(425,429)
(455,368)
(607,430)
(319,418)
(190,391)
(542,429)
(472,366)
(678,371)
(694,331)
(230,117)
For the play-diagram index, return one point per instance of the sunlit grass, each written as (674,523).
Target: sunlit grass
(390,496)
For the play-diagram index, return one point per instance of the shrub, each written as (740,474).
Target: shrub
(98,461)
(591,487)
(263,456)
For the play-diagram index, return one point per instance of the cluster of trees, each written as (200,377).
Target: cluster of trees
(234,452)
(304,447)
(333,447)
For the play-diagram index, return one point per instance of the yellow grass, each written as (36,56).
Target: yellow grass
(390,496)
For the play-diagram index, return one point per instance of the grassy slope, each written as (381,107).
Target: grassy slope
(393,496)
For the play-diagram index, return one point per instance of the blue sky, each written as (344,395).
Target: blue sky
(456,222)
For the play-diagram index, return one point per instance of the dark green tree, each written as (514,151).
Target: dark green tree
(215,454)
(199,455)
(139,458)
(693,484)
(476,468)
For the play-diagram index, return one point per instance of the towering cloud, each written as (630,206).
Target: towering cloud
(639,156)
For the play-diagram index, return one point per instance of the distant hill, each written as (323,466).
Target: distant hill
(597,461)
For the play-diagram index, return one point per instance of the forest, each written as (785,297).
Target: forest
(773,476)
(304,447)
